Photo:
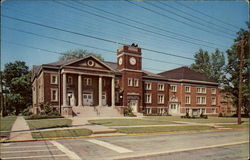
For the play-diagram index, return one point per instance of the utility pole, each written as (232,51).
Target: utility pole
(242,49)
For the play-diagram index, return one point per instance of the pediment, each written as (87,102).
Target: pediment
(90,62)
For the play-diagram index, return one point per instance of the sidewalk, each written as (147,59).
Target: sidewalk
(18,130)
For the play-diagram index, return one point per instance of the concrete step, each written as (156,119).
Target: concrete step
(102,111)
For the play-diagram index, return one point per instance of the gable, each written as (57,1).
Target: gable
(90,62)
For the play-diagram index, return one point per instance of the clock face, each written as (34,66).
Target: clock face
(120,61)
(132,61)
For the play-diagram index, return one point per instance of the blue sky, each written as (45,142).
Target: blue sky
(218,34)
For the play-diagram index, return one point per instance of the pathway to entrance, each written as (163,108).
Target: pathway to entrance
(19,130)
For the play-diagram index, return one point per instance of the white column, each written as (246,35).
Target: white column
(64,90)
(79,90)
(100,91)
(113,91)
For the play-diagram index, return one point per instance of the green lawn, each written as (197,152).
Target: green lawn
(127,122)
(49,123)
(61,133)
(6,125)
(133,130)
(244,125)
(209,120)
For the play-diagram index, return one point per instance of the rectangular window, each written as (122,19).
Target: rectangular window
(213,90)
(54,94)
(69,80)
(213,101)
(213,110)
(103,82)
(160,110)
(201,100)
(187,89)
(160,99)
(201,90)
(173,88)
(130,82)
(187,100)
(117,97)
(147,98)
(136,82)
(160,87)
(88,81)
(148,86)
(116,83)
(53,79)
(148,110)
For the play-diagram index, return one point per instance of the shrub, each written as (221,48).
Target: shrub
(43,117)
(128,112)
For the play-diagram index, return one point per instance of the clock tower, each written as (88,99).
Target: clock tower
(129,64)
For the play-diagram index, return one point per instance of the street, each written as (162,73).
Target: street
(229,145)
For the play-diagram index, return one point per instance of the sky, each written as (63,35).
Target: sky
(174,30)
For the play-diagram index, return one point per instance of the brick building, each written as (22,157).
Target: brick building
(72,85)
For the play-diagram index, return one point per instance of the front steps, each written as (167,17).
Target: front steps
(97,111)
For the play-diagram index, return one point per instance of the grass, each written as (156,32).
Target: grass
(127,122)
(133,130)
(244,125)
(61,133)
(209,120)
(49,123)
(6,125)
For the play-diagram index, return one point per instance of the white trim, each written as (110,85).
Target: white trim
(51,94)
(196,81)
(132,70)
(87,58)
(92,74)
(150,98)
(51,78)
(189,99)
(173,86)
(130,54)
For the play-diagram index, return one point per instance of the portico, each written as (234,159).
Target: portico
(86,90)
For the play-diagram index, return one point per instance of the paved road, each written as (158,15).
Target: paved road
(228,145)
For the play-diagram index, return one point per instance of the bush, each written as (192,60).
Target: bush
(26,112)
(128,112)
(43,117)
(47,109)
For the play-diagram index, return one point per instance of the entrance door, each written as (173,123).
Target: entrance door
(174,108)
(71,98)
(134,105)
(87,99)
(104,98)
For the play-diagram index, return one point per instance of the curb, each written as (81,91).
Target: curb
(137,134)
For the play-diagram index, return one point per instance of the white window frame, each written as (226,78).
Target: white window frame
(148,98)
(173,87)
(188,90)
(148,86)
(161,87)
(69,80)
(51,79)
(213,102)
(117,97)
(213,90)
(189,102)
(136,82)
(51,97)
(88,81)
(148,110)
(160,98)
(130,82)
(201,90)
(199,100)
(117,83)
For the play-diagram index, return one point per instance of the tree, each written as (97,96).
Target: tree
(17,86)
(78,53)
(231,81)
(212,65)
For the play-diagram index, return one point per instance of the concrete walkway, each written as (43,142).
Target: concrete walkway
(19,130)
